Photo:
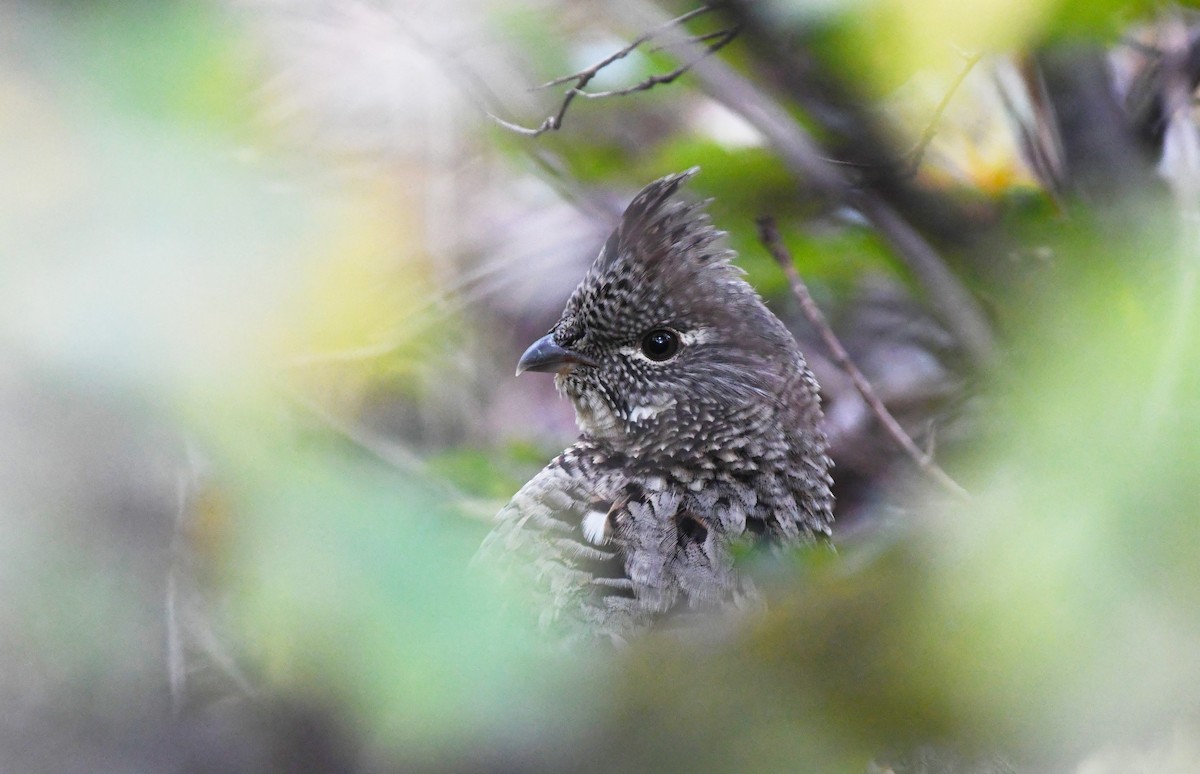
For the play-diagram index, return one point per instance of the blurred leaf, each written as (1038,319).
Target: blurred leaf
(493,474)
(354,583)
(536,36)
(169,60)
(879,44)
(1054,608)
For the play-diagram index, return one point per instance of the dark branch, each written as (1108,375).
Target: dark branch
(800,153)
(712,42)
(768,234)
(723,38)
(705,38)
(645,37)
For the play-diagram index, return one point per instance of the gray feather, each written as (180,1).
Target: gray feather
(679,457)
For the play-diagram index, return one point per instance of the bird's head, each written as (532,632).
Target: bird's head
(664,347)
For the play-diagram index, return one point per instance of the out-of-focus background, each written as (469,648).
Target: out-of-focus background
(266,268)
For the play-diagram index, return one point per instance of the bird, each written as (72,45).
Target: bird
(700,428)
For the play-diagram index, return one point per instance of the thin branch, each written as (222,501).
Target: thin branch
(645,37)
(703,38)
(724,37)
(950,301)
(908,164)
(948,298)
(392,454)
(712,42)
(768,234)
(387,451)
(917,154)
(552,123)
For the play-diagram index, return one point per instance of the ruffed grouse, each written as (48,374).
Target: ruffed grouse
(700,426)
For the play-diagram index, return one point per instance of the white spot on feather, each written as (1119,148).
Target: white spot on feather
(593,415)
(640,414)
(595,527)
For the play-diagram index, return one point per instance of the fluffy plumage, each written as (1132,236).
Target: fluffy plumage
(700,426)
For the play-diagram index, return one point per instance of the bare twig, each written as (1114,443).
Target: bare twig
(387,451)
(704,38)
(908,164)
(394,455)
(917,154)
(702,45)
(624,52)
(949,300)
(723,37)
(952,303)
(769,235)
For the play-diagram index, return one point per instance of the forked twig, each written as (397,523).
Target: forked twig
(949,299)
(704,38)
(713,42)
(624,52)
(768,234)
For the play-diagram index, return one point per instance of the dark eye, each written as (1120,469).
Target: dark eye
(660,344)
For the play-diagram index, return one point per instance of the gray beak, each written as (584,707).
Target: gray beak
(546,354)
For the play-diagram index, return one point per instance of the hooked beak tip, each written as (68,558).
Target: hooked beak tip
(546,354)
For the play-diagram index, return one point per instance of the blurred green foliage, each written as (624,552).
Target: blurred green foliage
(490,473)
(356,584)
(169,61)
(1055,612)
